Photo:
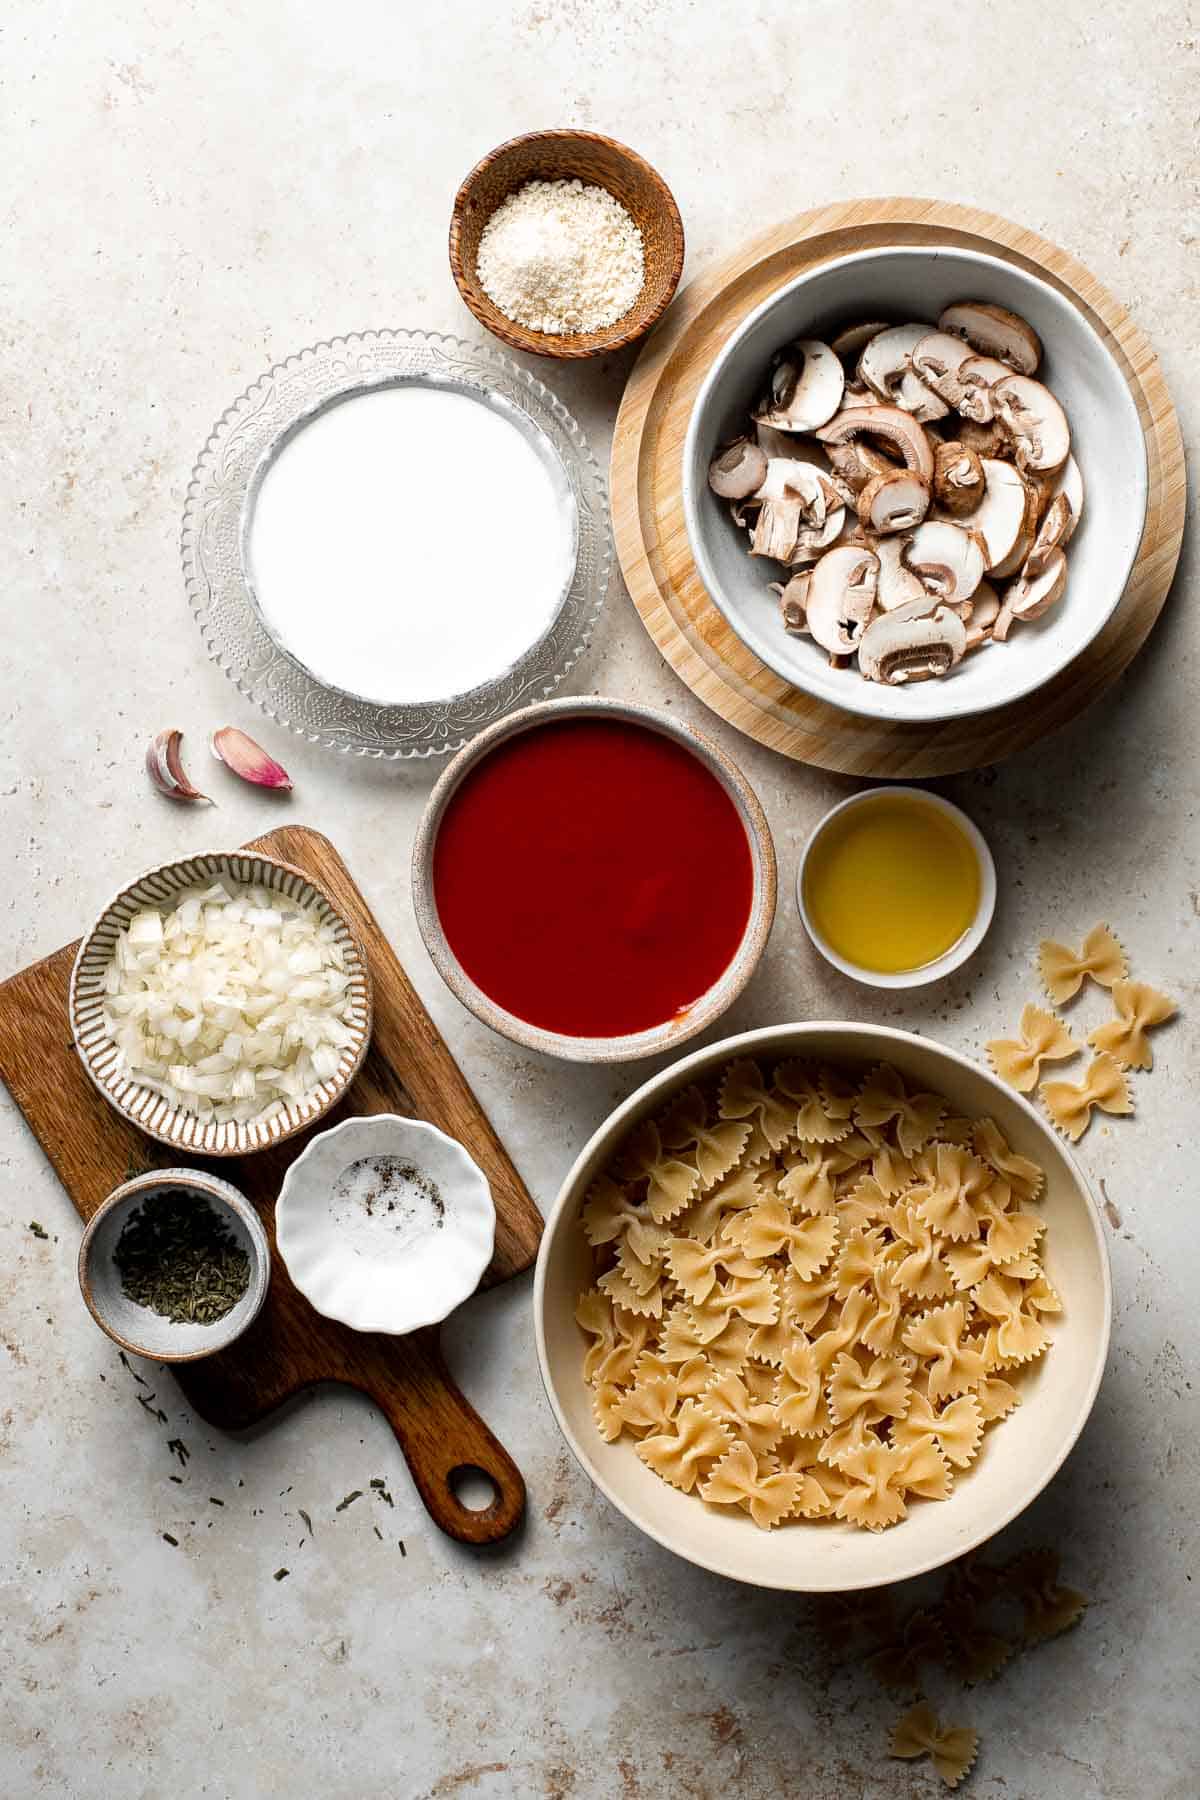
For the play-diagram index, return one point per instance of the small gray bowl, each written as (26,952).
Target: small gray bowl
(138,1329)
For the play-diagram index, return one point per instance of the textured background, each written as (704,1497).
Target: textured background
(189,194)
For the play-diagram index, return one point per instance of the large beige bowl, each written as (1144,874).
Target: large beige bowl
(1020,1454)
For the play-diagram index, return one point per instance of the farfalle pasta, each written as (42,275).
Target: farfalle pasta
(809,1304)
(1044,1038)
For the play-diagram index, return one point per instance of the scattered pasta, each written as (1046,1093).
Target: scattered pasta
(950,1748)
(1070,1104)
(1064,970)
(1044,1038)
(1139,1007)
(808,1303)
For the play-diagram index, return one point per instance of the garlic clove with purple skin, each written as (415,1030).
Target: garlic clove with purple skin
(248,759)
(165,768)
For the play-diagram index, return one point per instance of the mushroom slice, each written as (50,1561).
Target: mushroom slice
(991,439)
(958,479)
(841,597)
(994,331)
(892,424)
(947,560)
(886,368)
(1035,421)
(857,461)
(853,340)
(738,470)
(805,388)
(1029,596)
(898,649)
(936,359)
(793,497)
(1005,517)
(814,540)
(985,605)
(793,602)
(979,375)
(1052,534)
(897,586)
(893,502)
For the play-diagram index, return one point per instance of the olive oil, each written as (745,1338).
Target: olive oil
(892,883)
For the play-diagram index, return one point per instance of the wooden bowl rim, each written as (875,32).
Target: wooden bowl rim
(559,345)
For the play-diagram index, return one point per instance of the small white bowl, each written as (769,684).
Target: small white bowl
(958,952)
(385,1223)
(136,1328)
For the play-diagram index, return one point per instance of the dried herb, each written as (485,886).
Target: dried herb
(171,1540)
(280,1574)
(403,1551)
(377,1532)
(178,1448)
(348,1501)
(177,1257)
(213,1501)
(177,1479)
(156,1412)
(381,1490)
(132,1370)
(39,1231)
(307,1520)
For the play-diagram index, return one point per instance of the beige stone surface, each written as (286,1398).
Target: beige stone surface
(188,194)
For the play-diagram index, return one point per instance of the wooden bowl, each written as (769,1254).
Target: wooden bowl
(558,156)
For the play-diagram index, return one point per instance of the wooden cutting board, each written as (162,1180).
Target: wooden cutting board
(289,1347)
(651,536)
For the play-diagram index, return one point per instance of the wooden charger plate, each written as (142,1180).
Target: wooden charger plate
(651,536)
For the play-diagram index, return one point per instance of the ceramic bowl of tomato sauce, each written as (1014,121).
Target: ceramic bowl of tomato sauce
(594,879)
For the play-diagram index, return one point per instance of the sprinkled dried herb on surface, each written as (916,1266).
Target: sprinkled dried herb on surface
(177,1257)
(349,1500)
(178,1448)
(381,1490)
(170,1540)
(308,1522)
(280,1574)
(39,1231)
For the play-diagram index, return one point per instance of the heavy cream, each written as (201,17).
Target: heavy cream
(410,544)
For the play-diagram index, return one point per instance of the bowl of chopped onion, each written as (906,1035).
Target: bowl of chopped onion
(221,1003)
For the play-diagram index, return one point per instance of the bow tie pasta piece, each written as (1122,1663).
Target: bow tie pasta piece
(806,1303)
(957,1430)
(1044,1038)
(995,1397)
(814,1120)
(670,1183)
(607,1403)
(743,1095)
(694,1267)
(880,1391)
(809,1183)
(884,1100)
(875,1497)
(957,1363)
(863,1206)
(951,1201)
(891,1169)
(635,1296)
(921,1272)
(857,1259)
(768,1229)
(1016,1336)
(1070,1104)
(767,1494)
(684,1452)
(951,1749)
(1023,1175)
(800,1394)
(1064,970)
(716,1146)
(1008,1241)
(754,1422)
(754,1299)
(618,1338)
(844,1332)
(650,1404)
(1139,1009)
(885,1316)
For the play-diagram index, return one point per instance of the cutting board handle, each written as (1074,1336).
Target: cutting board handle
(443,1438)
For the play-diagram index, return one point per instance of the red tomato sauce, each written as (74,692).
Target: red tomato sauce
(592,877)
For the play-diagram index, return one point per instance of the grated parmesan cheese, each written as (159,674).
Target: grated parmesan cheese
(557,256)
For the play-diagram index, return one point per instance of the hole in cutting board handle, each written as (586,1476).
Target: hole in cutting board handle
(473,1488)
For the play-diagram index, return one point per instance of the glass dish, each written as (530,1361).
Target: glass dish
(220,503)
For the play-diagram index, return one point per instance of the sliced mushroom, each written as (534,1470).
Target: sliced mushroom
(893,502)
(991,439)
(898,649)
(937,359)
(897,585)
(805,389)
(1035,421)
(1052,534)
(947,560)
(779,443)
(891,424)
(1005,517)
(979,375)
(814,540)
(886,368)
(857,461)
(994,331)
(853,340)
(958,480)
(793,602)
(1029,596)
(841,597)
(985,605)
(737,471)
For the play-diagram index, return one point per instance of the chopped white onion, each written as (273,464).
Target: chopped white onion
(231,1003)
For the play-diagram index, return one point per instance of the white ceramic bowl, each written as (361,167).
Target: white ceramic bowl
(182,1129)
(1020,1454)
(1107,442)
(385,1223)
(958,953)
(138,1329)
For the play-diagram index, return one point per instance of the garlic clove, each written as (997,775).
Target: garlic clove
(248,759)
(165,768)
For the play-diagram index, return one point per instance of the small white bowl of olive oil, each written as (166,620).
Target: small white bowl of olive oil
(896,887)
